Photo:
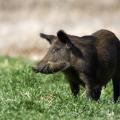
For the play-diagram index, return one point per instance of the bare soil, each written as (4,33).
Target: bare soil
(21,21)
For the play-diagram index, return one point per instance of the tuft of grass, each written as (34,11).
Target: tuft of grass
(25,95)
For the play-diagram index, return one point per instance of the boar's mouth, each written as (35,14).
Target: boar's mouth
(49,68)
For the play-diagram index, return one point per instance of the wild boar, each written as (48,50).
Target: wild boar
(91,61)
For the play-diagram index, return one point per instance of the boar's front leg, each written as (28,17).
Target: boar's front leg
(73,80)
(93,92)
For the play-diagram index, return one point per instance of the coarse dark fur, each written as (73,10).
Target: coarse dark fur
(90,61)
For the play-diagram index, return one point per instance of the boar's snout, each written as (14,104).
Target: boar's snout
(49,68)
(41,68)
(35,69)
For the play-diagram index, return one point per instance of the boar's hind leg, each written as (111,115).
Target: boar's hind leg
(73,80)
(116,86)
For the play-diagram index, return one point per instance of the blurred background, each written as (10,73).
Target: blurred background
(21,21)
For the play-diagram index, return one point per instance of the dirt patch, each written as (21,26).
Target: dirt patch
(22,21)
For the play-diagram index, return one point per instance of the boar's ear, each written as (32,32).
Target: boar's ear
(63,37)
(49,38)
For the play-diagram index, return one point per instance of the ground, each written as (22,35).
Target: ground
(25,95)
(21,22)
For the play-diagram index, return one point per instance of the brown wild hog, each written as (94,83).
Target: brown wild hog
(90,61)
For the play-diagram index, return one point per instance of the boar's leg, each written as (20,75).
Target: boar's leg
(74,88)
(73,79)
(116,86)
(94,94)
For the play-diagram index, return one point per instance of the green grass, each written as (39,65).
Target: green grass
(25,95)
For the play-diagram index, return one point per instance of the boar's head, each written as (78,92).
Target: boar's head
(58,57)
